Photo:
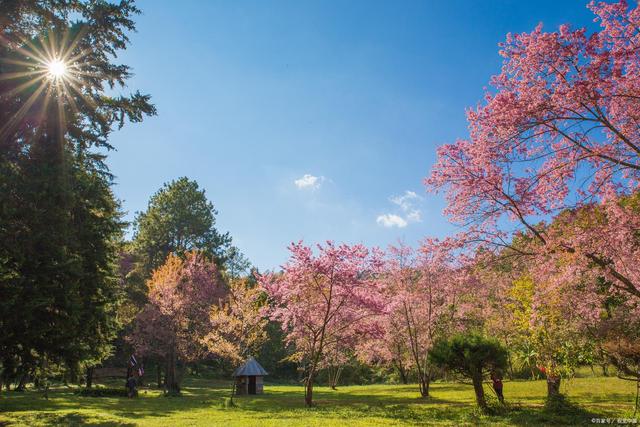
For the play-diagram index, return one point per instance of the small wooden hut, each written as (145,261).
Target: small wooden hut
(249,377)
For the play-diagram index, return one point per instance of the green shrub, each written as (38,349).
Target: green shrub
(470,356)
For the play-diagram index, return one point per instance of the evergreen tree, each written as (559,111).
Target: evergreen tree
(59,221)
(179,219)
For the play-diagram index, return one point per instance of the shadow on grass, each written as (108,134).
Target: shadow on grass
(415,410)
(71,419)
(608,398)
(559,411)
(150,403)
(333,404)
(294,398)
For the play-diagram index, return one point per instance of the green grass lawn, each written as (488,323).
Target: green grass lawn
(202,404)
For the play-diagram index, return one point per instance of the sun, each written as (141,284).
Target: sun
(52,67)
(57,68)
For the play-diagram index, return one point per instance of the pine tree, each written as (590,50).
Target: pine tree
(60,223)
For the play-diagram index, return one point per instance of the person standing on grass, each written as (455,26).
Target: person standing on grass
(496,379)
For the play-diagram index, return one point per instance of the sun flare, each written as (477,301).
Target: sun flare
(51,67)
(57,68)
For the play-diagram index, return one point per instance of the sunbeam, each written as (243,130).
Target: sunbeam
(48,67)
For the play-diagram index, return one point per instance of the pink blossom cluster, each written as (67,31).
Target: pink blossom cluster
(329,301)
(559,132)
(176,318)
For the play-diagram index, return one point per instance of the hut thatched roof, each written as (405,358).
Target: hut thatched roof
(251,367)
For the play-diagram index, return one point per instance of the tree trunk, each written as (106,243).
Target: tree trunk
(159,375)
(553,386)
(510,364)
(334,376)
(170,379)
(89,378)
(424,384)
(308,392)
(233,392)
(331,377)
(23,382)
(402,372)
(479,390)
(635,410)
(403,376)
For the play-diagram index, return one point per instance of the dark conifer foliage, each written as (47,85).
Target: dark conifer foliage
(60,224)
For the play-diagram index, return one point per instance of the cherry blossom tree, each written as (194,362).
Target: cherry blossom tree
(174,323)
(390,348)
(325,300)
(426,293)
(559,130)
(554,331)
(590,302)
(238,322)
(600,232)
(414,309)
(556,136)
(552,302)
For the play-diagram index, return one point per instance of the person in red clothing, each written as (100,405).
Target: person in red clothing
(496,379)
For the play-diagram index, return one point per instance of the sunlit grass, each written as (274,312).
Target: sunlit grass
(202,404)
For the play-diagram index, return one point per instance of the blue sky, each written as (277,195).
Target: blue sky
(312,120)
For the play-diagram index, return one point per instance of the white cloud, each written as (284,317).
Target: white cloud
(414,216)
(406,200)
(391,220)
(309,182)
(410,213)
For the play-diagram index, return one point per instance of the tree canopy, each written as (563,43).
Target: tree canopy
(179,218)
